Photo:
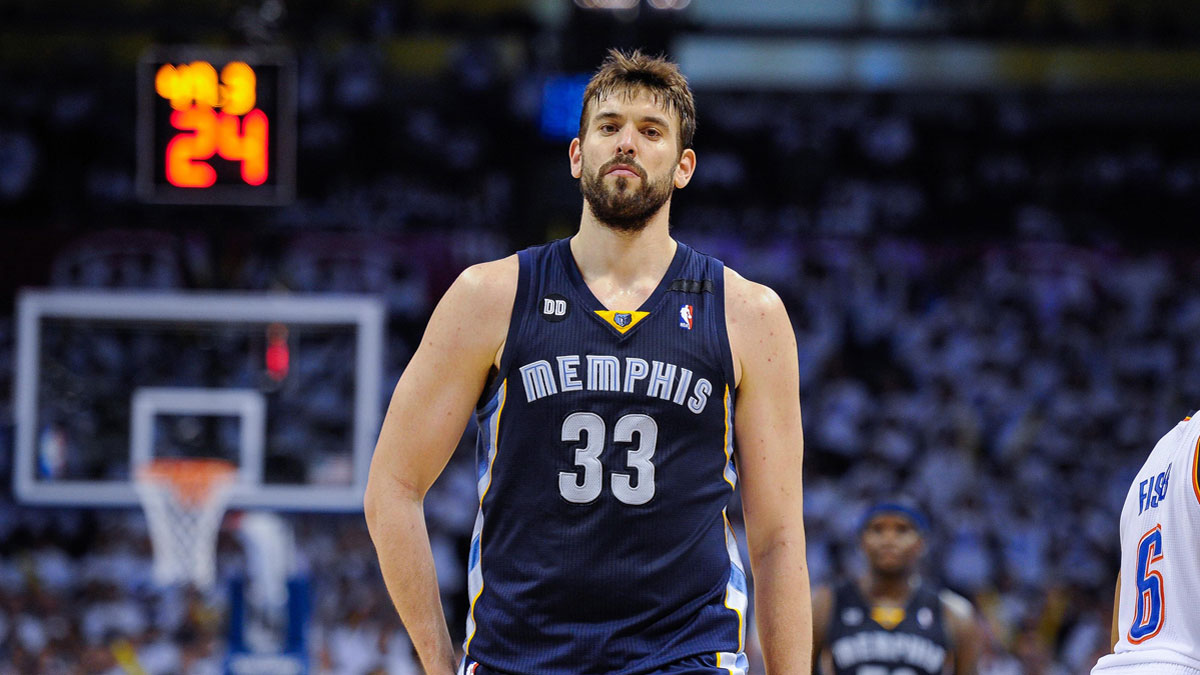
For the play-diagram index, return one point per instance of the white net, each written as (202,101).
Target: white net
(184,502)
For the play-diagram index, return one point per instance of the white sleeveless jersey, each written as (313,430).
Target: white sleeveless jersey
(1159,615)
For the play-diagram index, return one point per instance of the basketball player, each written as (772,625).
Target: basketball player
(1156,613)
(612,376)
(892,622)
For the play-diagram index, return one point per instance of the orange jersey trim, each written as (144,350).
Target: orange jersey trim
(1196,470)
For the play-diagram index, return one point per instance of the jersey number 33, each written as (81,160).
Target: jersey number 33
(635,488)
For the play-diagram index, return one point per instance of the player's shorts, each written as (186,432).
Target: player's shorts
(693,665)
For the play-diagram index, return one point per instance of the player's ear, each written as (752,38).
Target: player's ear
(576,154)
(685,168)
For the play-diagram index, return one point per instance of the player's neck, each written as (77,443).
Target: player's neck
(623,258)
(895,588)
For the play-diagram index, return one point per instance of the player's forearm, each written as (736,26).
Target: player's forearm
(783,606)
(397,526)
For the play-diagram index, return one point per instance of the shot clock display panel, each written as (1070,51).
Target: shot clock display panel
(216,126)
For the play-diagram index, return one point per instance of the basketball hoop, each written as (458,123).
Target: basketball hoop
(184,500)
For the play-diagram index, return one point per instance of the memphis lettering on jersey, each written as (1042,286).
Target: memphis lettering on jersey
(1153,491)
(880,646)
(657,379)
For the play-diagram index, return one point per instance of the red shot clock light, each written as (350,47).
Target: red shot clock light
(278,355)
(216,126)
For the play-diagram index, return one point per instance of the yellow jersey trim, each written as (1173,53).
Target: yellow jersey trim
(727,449)
(888,617)
(492,463)
(611,317)
(741,618)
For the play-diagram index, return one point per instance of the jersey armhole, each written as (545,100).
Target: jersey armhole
(515,325)
(949,603)
(724,350)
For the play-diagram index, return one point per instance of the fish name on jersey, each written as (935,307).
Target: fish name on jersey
(883,646)
(656,379)
(1153,491)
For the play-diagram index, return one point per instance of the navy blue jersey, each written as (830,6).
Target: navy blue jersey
(605,459)
(916,645)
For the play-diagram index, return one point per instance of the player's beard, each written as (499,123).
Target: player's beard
(621,207)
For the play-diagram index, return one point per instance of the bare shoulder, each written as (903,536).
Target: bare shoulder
(483,293)
(489,282)
(472,317)
(751,302)
(956,606)
(758,325)
(964,631)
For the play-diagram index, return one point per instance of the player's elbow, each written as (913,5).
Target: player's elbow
(375,505)
(784,542)
(372,509)
(383,496)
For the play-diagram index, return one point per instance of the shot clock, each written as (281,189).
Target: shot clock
(216,126)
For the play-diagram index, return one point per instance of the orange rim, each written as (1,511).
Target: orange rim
(191,479)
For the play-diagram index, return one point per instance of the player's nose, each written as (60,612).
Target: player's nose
(625,141)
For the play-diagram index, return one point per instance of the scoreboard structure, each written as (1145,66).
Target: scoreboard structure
(216,126)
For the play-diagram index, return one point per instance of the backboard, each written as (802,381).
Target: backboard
(285,386)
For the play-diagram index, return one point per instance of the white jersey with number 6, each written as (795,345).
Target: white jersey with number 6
(1159,615)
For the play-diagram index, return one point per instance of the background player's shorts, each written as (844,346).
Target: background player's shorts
(692,665)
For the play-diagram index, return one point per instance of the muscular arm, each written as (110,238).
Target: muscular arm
(966,640)
(770,453)
(425,419)
(822,605)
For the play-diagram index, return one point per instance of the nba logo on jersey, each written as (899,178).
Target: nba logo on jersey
(685,316)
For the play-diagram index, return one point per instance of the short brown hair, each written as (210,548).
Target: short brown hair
(626,74)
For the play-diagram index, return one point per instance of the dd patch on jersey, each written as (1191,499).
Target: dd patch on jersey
(555,308)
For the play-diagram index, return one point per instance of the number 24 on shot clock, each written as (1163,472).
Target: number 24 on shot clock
(216,126)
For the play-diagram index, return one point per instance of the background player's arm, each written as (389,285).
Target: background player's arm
(822,607)
(770,454)
(966,639)
(428,412)
(1116,626)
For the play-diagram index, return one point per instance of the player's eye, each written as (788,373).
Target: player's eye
(608,128)
(652,132)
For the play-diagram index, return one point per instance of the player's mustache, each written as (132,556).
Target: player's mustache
(627,160)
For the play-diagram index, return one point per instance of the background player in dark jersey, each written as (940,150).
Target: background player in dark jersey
(552,486)
(891,621)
